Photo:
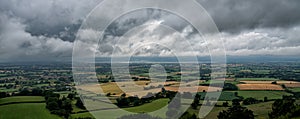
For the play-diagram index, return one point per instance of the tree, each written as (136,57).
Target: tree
(67,107)
(123,102)
(225,104)
(138,116)
(196,101)
(249,101)
(37,92)
(71,96)
(24,92)
(80,104)
(229,87)
(236,102)
(52,105)
(265,99)
(282,107)
(187,115)
(236,112)
(3,94)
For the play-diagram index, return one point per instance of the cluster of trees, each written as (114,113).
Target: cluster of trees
(124,101)
(225,86)
(250,100)
(285,74)
(4,94)
(62,107)
(31,92)
(196,101)
(185,115)
(8,86)
(139,116)
(79,103)
(173,107)
(284,108)
(236,111)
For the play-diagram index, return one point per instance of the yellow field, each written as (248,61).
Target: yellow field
(193,89)
(269,82)
(137,88)
(259,87)
(118,88)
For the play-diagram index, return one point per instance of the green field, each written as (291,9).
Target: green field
(261,71)
(148,107)
(261,94)
(8,90)
(21,99)
(257,79)
(261,110)
(295,89)
(225,96)
(3,75)
(86,114)
(26,111)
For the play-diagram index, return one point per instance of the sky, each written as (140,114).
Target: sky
(46,29)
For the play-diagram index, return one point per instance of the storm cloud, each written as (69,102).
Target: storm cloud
(239,15)
(46,29)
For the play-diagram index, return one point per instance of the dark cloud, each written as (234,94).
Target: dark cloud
(44,29)
(139,17)
(238,15)
(50,18)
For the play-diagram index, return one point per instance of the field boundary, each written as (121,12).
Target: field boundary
(9,103)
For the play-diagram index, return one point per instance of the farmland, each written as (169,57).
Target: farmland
(261,94)
(265,83)
(270,82)
(149,107)
(27,107)
(259,87)
(257,79)
(26,111)
(21,99)
(292,85)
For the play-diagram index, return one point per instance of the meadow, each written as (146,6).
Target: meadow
(24,109)
(261,94)
(111,113)
(21,99)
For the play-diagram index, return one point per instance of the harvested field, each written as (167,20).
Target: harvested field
(132,89)
(269,82)
(259,87)
(257,79)
(293,85)
(193,89)
(174,88)
(119,88)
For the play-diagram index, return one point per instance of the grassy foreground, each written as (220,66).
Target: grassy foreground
(26,111)
(21,99)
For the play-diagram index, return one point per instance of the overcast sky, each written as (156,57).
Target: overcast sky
(46,29)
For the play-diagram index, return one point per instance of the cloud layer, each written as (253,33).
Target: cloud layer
(39,30)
